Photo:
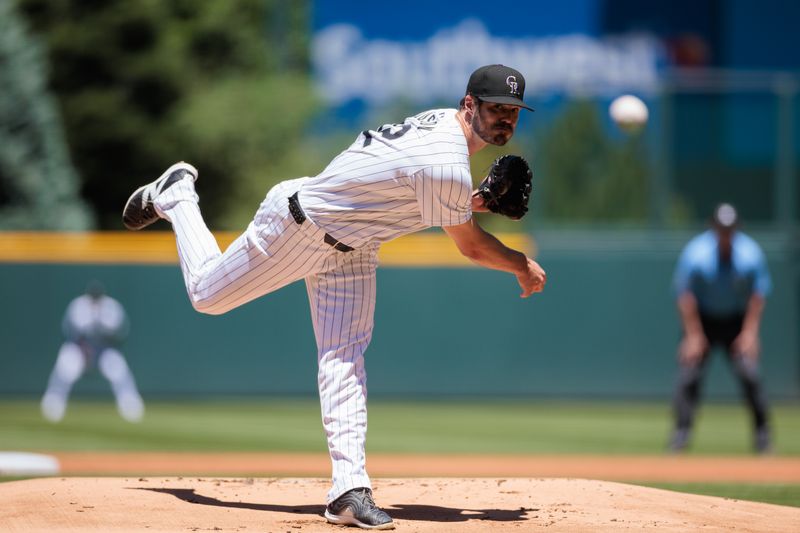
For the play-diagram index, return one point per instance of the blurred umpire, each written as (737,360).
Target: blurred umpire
(721,282)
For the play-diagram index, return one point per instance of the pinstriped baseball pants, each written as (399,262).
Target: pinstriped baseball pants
(273,252)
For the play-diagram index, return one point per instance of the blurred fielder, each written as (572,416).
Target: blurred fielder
(721,283)
(326,229)
(94,326)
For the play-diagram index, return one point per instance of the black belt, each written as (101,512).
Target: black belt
(300,217)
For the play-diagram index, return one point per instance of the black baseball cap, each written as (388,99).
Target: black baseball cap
(95,289)
(498,84)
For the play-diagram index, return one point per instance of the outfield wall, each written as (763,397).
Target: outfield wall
(604,327)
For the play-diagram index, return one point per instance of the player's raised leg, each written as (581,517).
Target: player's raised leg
(172,197)
(273,252)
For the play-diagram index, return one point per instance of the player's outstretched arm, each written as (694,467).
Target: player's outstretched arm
(486,250)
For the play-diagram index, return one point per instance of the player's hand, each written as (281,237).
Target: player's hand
(747,344)
(533,279)
(478,203)
(692,347)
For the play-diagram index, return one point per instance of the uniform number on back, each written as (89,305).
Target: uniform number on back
(387,131)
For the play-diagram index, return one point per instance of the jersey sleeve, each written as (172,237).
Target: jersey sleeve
(69,326)
(763,281)
(444,195)
(114,321)
(681,279)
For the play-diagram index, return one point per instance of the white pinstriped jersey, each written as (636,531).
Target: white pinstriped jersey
(97,319)
(393,181)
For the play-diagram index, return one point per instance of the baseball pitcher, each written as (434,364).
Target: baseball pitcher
(326,229)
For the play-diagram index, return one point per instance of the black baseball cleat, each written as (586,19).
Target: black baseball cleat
(763,443)
(139,210)
(679,440)
(357,508)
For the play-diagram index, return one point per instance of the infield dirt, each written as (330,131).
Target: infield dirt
(432,505)
(663,468)
(437,493)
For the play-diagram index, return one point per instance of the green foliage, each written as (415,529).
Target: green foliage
(246,136)
(38,184)
(144,84)
(589,176)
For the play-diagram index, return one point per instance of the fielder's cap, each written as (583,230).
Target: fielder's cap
(498,84)
(95,288)
(725,216)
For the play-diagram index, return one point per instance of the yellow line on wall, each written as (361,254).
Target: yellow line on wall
(437,249)
(158,248)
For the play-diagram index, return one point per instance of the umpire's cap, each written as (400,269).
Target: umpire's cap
(725,216)
(498,84)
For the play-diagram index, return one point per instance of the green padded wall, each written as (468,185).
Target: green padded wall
(605,327)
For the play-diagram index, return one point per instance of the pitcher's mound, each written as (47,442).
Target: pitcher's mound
(417,505)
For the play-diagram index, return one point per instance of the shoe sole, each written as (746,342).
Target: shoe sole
(352,521)
(136,225)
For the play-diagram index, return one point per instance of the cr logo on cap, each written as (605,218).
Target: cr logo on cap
(511,81)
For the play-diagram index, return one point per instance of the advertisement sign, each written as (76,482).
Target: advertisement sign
(360,60)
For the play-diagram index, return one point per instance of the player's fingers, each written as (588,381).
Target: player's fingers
(527,290)
(531,288)
(536,286)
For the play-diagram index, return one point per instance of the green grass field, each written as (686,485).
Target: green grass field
(485,426)
(779,494)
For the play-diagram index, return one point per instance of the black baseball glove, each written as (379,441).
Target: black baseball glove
(507,188)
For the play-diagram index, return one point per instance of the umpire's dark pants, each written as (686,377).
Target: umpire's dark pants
(719,332)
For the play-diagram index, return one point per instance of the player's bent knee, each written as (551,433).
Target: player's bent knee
(204,307)
(202,301)
(208,306)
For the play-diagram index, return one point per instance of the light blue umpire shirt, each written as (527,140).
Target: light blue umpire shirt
(722,290)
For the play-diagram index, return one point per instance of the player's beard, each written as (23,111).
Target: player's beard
(497,133)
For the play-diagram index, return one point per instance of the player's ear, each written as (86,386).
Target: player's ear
(470,104)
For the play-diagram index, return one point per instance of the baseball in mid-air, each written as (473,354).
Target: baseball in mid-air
(629,112)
